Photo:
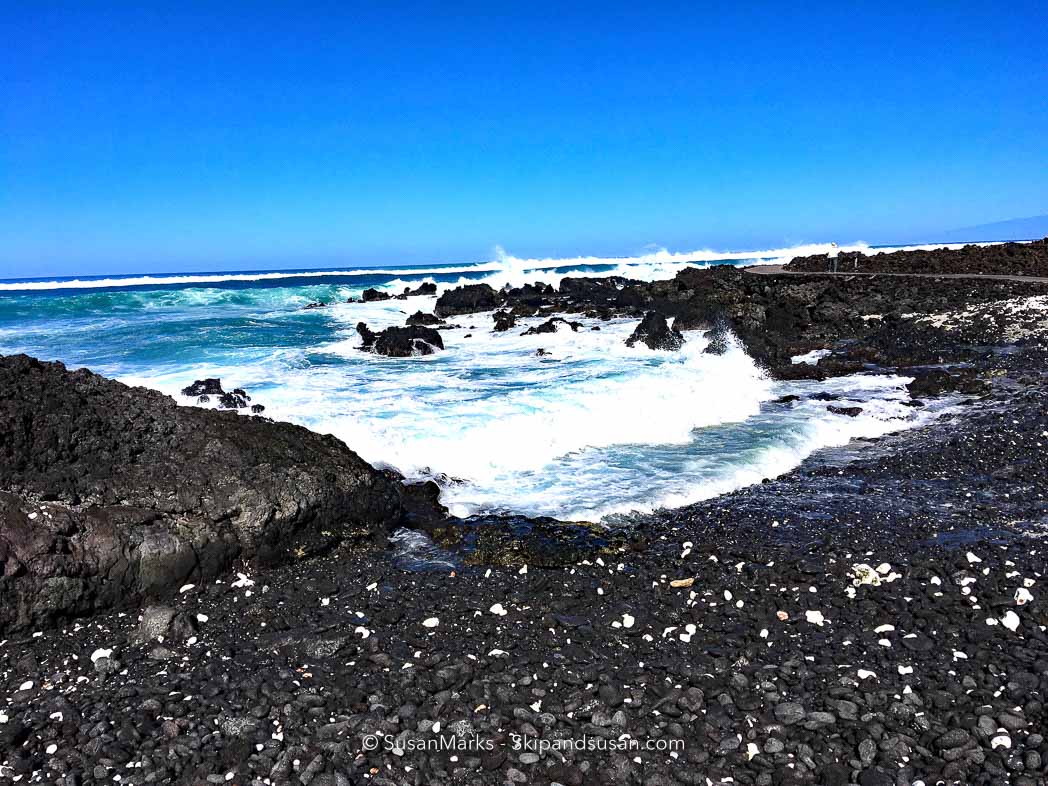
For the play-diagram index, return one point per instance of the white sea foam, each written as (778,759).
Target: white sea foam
(592,429)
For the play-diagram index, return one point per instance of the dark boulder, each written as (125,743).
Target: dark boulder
(529,295)
(551,326)
(318,304)
(401,342)
(594,290)
(110,494)
(422,507)
(237,399)
(655,333)
(367,335)
(468,299)
(719,340)
(850,412)
(426,288)
(938,382)
(504,320)
(204,387)
(422,318)
(372,295)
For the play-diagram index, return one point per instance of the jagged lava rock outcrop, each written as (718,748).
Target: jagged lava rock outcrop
(468,299)
(655,333)
(109,493)
(400,342)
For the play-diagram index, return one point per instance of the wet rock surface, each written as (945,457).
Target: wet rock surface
(204,389)
(654,333)
(504,320)
(552,325)
(468,299)
(426,289)
(422,318)
(372,295)
(401,342)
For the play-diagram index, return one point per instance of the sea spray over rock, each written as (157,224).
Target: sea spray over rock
(588,426)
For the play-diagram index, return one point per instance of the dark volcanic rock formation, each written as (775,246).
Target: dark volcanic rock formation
(529,298)
(204,387)
(607,290)
(655,333)
(551,326)
(1010,259)
(504,320)
(401,342)
(372,295)
(467,299)
(938,382)
(851,412)
(235,399)
(425,288)
(776,317)
(405,342)
(718,339)
(109,493)
(422,318)
(367,335)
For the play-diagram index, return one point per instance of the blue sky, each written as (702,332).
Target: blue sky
(223,135)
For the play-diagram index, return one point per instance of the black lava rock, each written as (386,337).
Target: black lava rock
(401,342)
(551,326)
(372,295)
(135,495)
(422,318)
(655,333)
(468,299)
(850,412)
(204,387)
(504,320)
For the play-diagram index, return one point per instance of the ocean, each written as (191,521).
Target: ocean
(594,429)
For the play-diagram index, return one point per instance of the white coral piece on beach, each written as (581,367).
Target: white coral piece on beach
(1010,620)
(865,574)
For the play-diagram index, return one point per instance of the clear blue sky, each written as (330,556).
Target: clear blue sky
(185,136)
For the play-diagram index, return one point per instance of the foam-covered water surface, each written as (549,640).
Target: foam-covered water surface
(591,428)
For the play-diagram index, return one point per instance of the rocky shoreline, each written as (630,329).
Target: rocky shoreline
(226,611)
(1009,259)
